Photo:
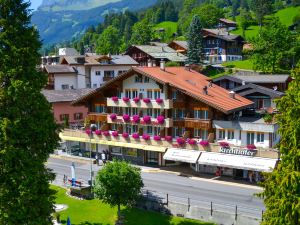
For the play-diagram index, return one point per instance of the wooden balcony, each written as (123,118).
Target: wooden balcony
(119,120)
(97,117)
(193,123)
(107,78)
(166,104)
(151,144)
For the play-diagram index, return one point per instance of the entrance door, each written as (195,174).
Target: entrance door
(152,157)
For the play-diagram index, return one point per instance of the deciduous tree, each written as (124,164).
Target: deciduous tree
(141,33)
(27,128)
(109,41)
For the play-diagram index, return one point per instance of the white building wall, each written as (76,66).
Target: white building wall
(65,79)
(129,83)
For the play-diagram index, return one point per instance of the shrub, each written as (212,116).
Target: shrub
(147,119)
(113,116)
(251,147)
(160,119)
(192,142)
(126,117)
(180,141)
(125,99)
(268,118)
(136,100)
(88,131)
(224,144)
(106,133)
(115,133)
(204,143)
(125,135)
(115,98)
(157,138)
(146,137)
(159,100)
(98,132)
(136,136)
(146,100)
(136,118)
(168,138)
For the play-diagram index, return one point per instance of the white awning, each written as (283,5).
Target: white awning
(182,155)
(237,161)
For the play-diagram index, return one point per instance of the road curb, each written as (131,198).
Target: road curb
(71,158)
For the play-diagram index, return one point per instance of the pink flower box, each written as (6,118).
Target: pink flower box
(136,118)
(115,134)
(161,119)
(136,136)
(251,147)
(147,119)
(157,138)
(168,138)
(146,100)
(98,132)
(159,100)
(113,116)
(204,143)
(136,100)
(192,142)
(125,135)
(126,117)
(125,99)
(224,144)
(105,133)
(88,131)
(180,141)
(146,137)
(115,98)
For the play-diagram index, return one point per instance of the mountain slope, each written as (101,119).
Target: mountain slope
(62,25)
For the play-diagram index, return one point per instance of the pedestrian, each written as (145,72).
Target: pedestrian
(64,179)
(250,176)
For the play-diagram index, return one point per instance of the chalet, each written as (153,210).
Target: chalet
(145,54)
(179,46)
(173,115)
(227,24)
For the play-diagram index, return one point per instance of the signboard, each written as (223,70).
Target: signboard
(238,151)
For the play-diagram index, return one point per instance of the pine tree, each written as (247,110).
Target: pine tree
(282,187)
(194,41)
(27,129)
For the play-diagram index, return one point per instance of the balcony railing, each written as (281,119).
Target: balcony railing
(151,144)
(97,117)
(165,104)
(119,120)
(192,123)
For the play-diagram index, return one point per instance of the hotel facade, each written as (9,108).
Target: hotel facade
(167,116)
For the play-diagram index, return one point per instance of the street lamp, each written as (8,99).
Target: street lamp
(93,127)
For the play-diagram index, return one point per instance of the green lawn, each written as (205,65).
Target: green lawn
(285,16)
(245,64)
(94,212)
(170,28)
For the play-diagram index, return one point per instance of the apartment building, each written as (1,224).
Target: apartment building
(169,116)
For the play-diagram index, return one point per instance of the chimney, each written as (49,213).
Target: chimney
(205,91)
(232,94)
(210,84)
(187,67)
(149,63)
(162,65)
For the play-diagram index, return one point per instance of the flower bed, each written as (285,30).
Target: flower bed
(204,143)
(105,133)
(136,136)
(126,117)
(98,132)
(115,98)
(136,118)
(180,141)
(168,138)
(192,142)
(157,138)
(115,134)
(125,99)
(113,116)
(224,144)
(136,100)
(147,119)
(146,137)
(125,135)
(159,100)
(161,119)
(146,100)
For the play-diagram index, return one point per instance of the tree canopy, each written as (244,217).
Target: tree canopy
(27,128)
(282,187)
(118,183)
(141,33)
(109,41)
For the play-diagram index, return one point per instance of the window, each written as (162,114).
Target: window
(230,134)
(260,137)
(121,72)
(149,130)
(115,110)
(156,131)
(221,134)
(94,85)
(204,134)
(98,73)
(134,128)
(127,93)
(181,131)
(64,117)
(146,80)
(114,127)
(149,112)
(201,133)
(100,108)
(78,116)
(138,79)
(109,73)
(156,113)
(64,86)
(175,132)
(174,94)
(134,111)
(156,94)
(128,111)
(197,132)
(250,138)
(149,93)
(128,129)
(201,114)
(180,113)
(134,93)
(267,103)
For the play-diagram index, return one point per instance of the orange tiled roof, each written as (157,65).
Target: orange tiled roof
(192,83)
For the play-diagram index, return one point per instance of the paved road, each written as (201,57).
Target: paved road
(224,195)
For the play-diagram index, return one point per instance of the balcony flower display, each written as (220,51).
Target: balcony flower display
(168,138)
(157,138)
(125,135)
(204,143)
(105,133)
(224,144)
(251,147)
(88,131)
(126,117)
(159,100)
(113,116)
(147,119)
(98,132)
(180,141)
(146,137)
(136,118)
(160,119)
(115,98)
(136,99)
(136,136)
(115,134)
(192,142)
(146,100)
(125,99)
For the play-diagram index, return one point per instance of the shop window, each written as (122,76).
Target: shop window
(221,134)
(260,137)
(116,150)
(130,152)
(152,157)
(230,134)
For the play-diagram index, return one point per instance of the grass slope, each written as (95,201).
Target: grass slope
(285,16)
(170,29)
(245,64)
(94,212)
